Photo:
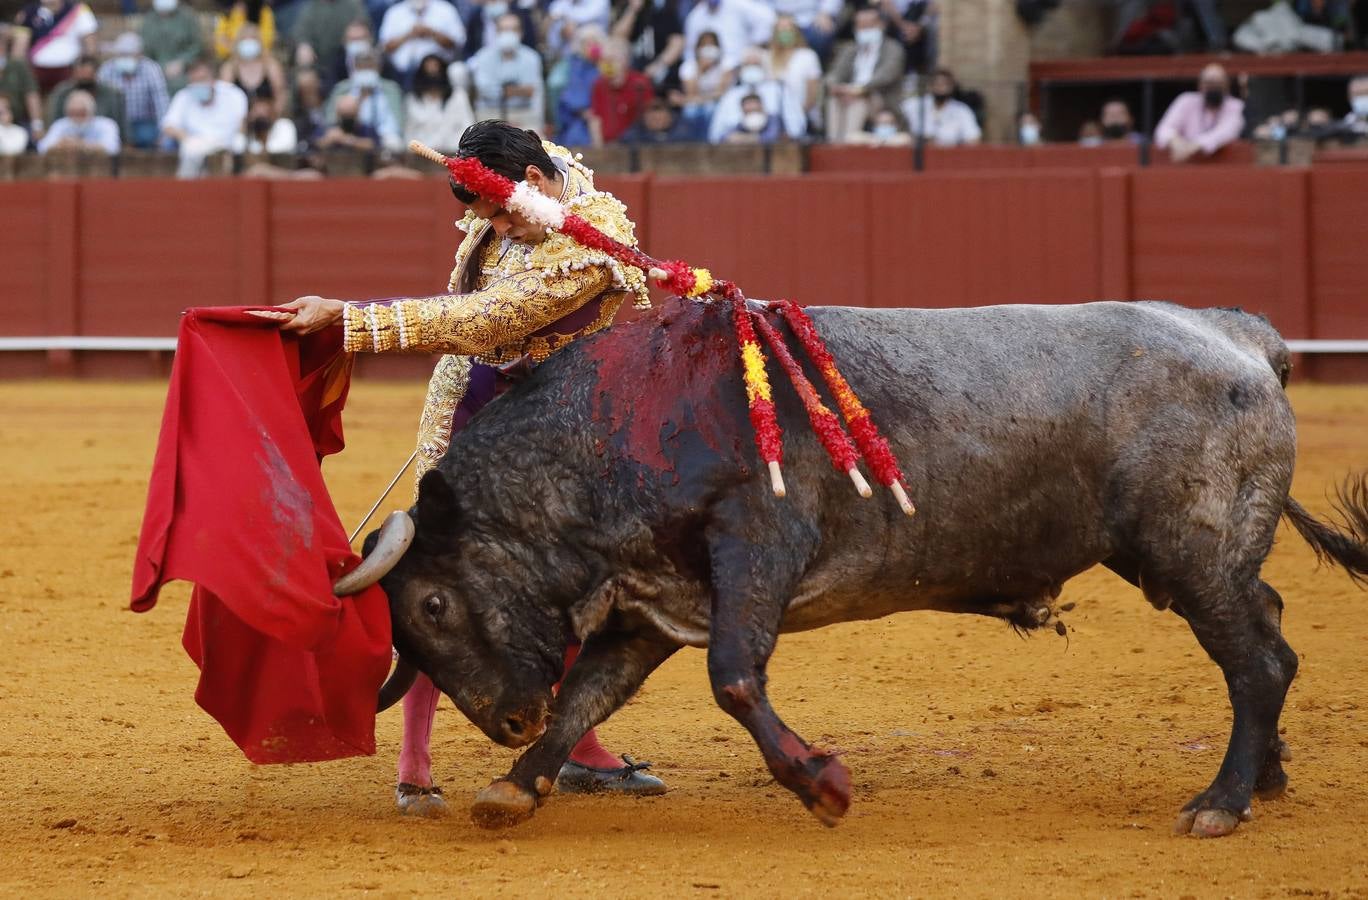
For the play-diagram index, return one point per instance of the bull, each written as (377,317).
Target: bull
(615,497)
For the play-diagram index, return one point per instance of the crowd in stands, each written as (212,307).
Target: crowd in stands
(303,78)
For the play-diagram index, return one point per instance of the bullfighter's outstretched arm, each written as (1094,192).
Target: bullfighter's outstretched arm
(476,323)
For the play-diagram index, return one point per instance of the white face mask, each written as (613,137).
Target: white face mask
(507,40)
(1360,106)
(366,79)
(885,130)
(249,48)
(1029,134)
(493,10)
(356,48)
(1091,141)
(752,74)
(754,121)
(867,37)
(165,6)
(126,65)
(709,53)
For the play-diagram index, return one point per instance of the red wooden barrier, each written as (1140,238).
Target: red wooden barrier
(123,257)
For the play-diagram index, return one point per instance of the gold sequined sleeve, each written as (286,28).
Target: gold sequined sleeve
(476,323)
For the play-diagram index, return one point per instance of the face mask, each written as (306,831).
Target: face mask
(356,48)
(366,79)
(1360,106)
(249,48)
(709,53)
(754,121)
(260,124)
(1113,132)
(127,65)
(88,85)
(1213,97)
(347,124)
(868,37)
(202,91)
(1091,141)
(493,10)
(165,6)
(607,68)
(1029,134)
(418,6)
(785,38)
(507,40)
(752,74)
(940,96)
(885,130)
(593,52)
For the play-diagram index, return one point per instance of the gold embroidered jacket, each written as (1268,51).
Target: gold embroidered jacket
(502,293)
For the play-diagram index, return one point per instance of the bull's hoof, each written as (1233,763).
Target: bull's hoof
(1206,823)
(502,804)
(425,802)
(831,792)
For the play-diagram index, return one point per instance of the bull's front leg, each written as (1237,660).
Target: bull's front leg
(609,670)
(750,592)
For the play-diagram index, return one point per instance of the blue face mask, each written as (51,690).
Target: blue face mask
(201,91)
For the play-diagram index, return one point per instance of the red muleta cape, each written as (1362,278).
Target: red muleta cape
(238,506)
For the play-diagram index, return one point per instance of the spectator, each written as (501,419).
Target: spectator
(939,117)
(1198,123)
(754,79)
(1356,123)
(14,139)
(81,129)
(658,125)
(1117,122)
(815,18)
(379,106)
(797,67)
(143,87)
(656,33)
(436,114)
(414,29)
(266,130)
(18,86)
(565,18)
(508,78)
(109,102)
(917,24)
(756,125)
(348,131)
(356,40)
(205,117)
(1090,134)
(737,24)
(865,77)
(320,32)
(575,78)
(1028,130)
(705,78)
(310,117)
(1333,15)
(257,74)
(171,38)
(52,35)
(621,94)
(1153,26)
(483,24)
(256,13)
(883,130)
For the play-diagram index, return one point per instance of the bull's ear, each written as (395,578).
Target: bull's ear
(437,511)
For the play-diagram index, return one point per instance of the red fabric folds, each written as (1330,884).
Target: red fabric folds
(237,505)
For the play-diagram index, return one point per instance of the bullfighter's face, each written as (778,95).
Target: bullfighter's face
(461,617)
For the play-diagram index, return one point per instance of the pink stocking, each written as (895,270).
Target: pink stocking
(420,705)
(589,752)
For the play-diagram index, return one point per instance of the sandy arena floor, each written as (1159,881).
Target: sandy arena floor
(984,764)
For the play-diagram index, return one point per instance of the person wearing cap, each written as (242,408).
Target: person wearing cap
(143,86)
(172,39)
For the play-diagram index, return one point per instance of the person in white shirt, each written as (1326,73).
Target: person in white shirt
(438,110)
(566,17)
(705,79)
(265,132)
(865,77)
(14,138)
(81,129)
(414,29)
(54,34)
(205,117)
(755,80)
(508,78)
(939,117)
(738,24)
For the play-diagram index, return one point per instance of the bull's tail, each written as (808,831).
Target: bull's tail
(1346,543)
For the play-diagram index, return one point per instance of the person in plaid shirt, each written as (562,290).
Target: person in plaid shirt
(143,86)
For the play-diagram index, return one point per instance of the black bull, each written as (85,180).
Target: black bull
(616,497)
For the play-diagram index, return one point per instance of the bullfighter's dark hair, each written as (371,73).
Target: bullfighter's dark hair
(504,148)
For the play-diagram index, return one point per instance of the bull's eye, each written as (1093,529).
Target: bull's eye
(433,605)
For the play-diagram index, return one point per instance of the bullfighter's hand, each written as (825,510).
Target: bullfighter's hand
(305,315)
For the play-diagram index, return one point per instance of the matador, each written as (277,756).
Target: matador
(517,295)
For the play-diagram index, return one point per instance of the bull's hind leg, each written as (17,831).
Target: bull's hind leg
(1241,632)
(750,592)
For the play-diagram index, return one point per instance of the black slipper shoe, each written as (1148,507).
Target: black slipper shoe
(630,779)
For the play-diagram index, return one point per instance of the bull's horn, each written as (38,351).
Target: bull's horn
(397,685)
(395,536)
